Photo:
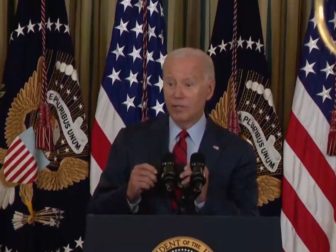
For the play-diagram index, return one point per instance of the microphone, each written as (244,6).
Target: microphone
(197,164)
(168,175)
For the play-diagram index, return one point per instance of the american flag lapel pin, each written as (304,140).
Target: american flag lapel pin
(216,147)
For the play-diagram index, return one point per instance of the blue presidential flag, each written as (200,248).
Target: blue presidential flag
(243,99)
(42,204)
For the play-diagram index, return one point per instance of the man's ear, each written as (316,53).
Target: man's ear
(211,88)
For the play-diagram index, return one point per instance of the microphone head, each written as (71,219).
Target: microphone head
(168,157)
(197,158)
(197,179)
(168,173)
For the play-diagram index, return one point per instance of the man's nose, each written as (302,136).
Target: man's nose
(178,91)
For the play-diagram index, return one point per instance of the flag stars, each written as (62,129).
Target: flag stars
(68,91)
(66,150)
(80,106)
(261,168)
(152,7)
(122,27)
(308,68)
(67,248)
(325,94)
(158,107)
(66,29)
(114,76)
(30,27)
(249,43)
(61,86)
(247,102)
(159,84)
(75,98)
(240,42)
(138,5)
(260,111)
(212,50)
(79,243)
(254,106)
(129,102)
(333,20)
(150,57)
(279,134)
(161,38)
(222,46)
(161,10)
(267,118)
(39,26)
(142,105)
(132,78)
(151,32)
(329,69)
(273,125)
(135,54)
(313,20)
(231,45)
(126,3)
(312,44)
(259,46)
(58,25)
(119,51)
(19,30)
(49,24)
(161,59)
(137,29)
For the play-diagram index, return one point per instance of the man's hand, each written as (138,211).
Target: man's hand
(203,195)
(185,181)
(143,178)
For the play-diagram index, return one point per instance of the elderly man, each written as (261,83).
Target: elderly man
(132,180)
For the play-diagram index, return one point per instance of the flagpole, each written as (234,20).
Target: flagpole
(322,27)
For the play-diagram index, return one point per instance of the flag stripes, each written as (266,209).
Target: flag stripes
(19,165)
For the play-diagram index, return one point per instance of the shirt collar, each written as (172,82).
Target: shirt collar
(195,132)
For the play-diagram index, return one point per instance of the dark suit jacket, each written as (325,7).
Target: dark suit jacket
(231,162)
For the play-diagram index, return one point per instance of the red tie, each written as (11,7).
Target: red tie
(180,155)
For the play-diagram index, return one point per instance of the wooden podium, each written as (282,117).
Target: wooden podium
(160,233)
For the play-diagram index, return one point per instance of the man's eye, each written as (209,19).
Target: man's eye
(169,83)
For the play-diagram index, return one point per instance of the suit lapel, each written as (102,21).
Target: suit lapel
(209,145)
(160,137)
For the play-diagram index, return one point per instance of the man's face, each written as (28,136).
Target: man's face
(186,89)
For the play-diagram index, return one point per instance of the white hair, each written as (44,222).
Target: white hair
(209,69)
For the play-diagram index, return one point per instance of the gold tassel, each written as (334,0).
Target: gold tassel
(332,135)
(44,138)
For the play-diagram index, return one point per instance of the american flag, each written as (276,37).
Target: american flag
(136,53)
(309,183)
